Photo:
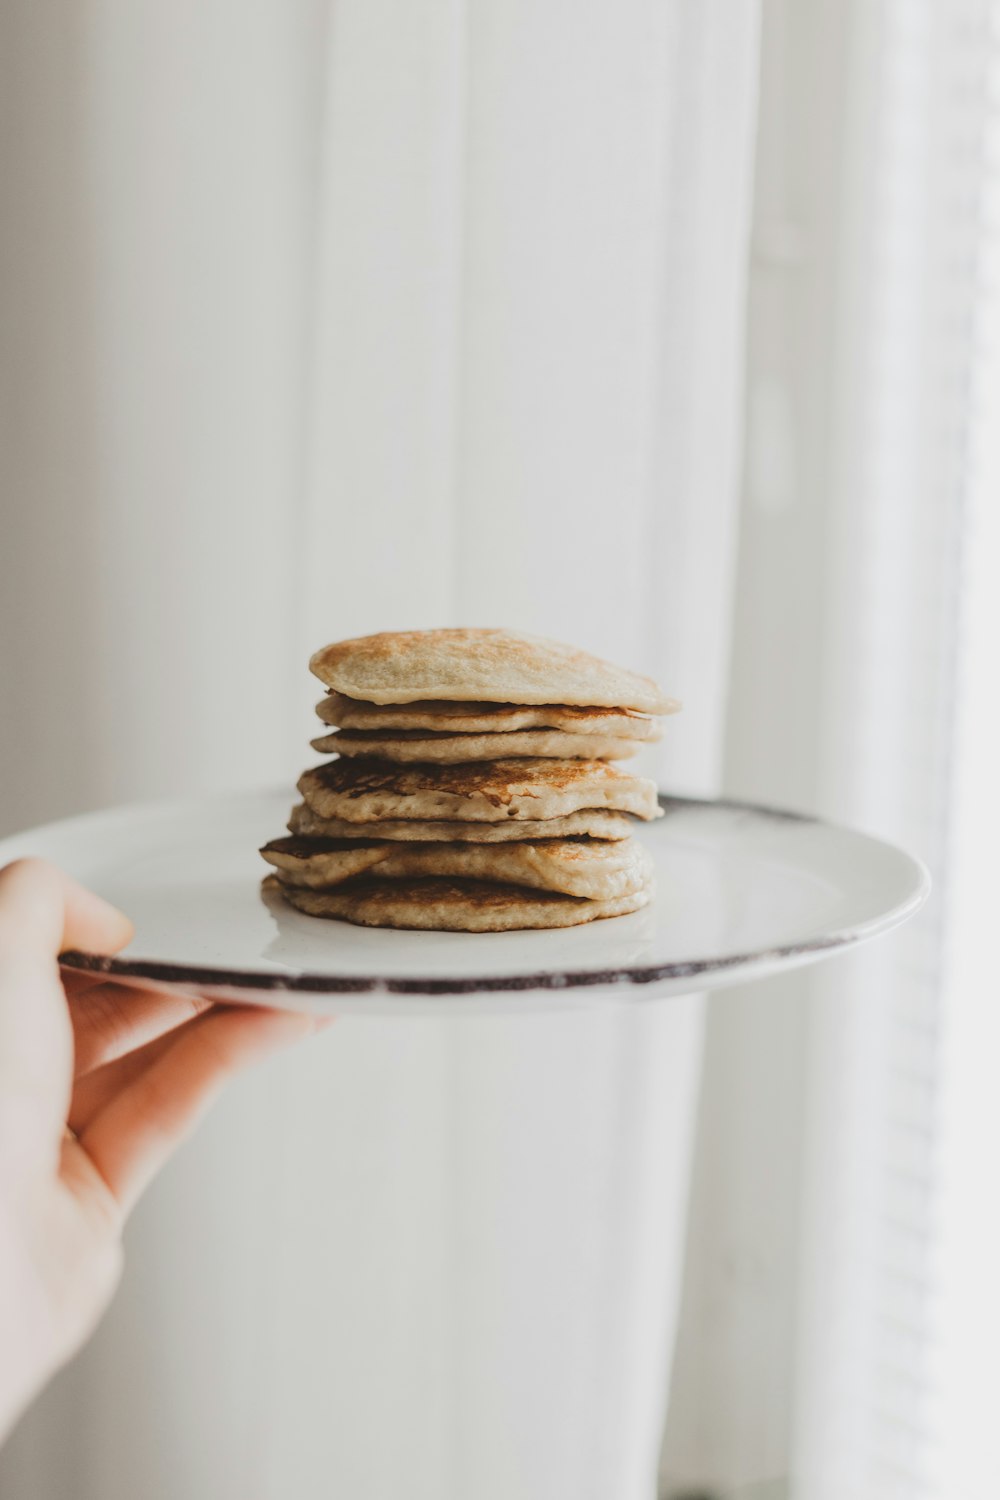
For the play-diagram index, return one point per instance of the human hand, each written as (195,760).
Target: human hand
(98,1085)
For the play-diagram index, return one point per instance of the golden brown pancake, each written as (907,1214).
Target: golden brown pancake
(411,746)
(477,666)
(450,905)
(593,869)
(363,791)
(597,823)
(485,718)
(473,787)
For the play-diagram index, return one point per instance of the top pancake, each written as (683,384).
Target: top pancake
(475,666)
(485,718)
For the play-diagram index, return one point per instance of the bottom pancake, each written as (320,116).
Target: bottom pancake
(443,905)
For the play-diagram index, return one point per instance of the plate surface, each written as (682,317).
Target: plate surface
(741,891)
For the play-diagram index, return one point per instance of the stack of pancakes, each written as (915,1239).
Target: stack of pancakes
(473,788)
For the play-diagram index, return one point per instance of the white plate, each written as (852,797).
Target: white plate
(741,892)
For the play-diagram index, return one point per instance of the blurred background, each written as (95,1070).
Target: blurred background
(670,327)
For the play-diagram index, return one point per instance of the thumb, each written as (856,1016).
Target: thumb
(42,911)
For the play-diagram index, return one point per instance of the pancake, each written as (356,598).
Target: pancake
(486,718)
(592,869)
(449,905)
(415,746)
(474,666)
(363,791)
(598,823)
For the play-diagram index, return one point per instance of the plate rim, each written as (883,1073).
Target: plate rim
(258,981)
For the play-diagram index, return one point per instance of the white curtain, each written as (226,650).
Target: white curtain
(322,319)
(899,1305)
(842,1308)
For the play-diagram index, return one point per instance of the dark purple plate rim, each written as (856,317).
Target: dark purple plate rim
(210,977)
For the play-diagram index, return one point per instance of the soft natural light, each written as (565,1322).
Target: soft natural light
(968,1251)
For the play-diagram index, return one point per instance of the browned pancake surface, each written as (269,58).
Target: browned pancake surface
(598,823)
(365,790)
(485,718)
(443,905)
(410,746)
(593,869)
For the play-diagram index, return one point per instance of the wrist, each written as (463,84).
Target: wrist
(29,1343)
